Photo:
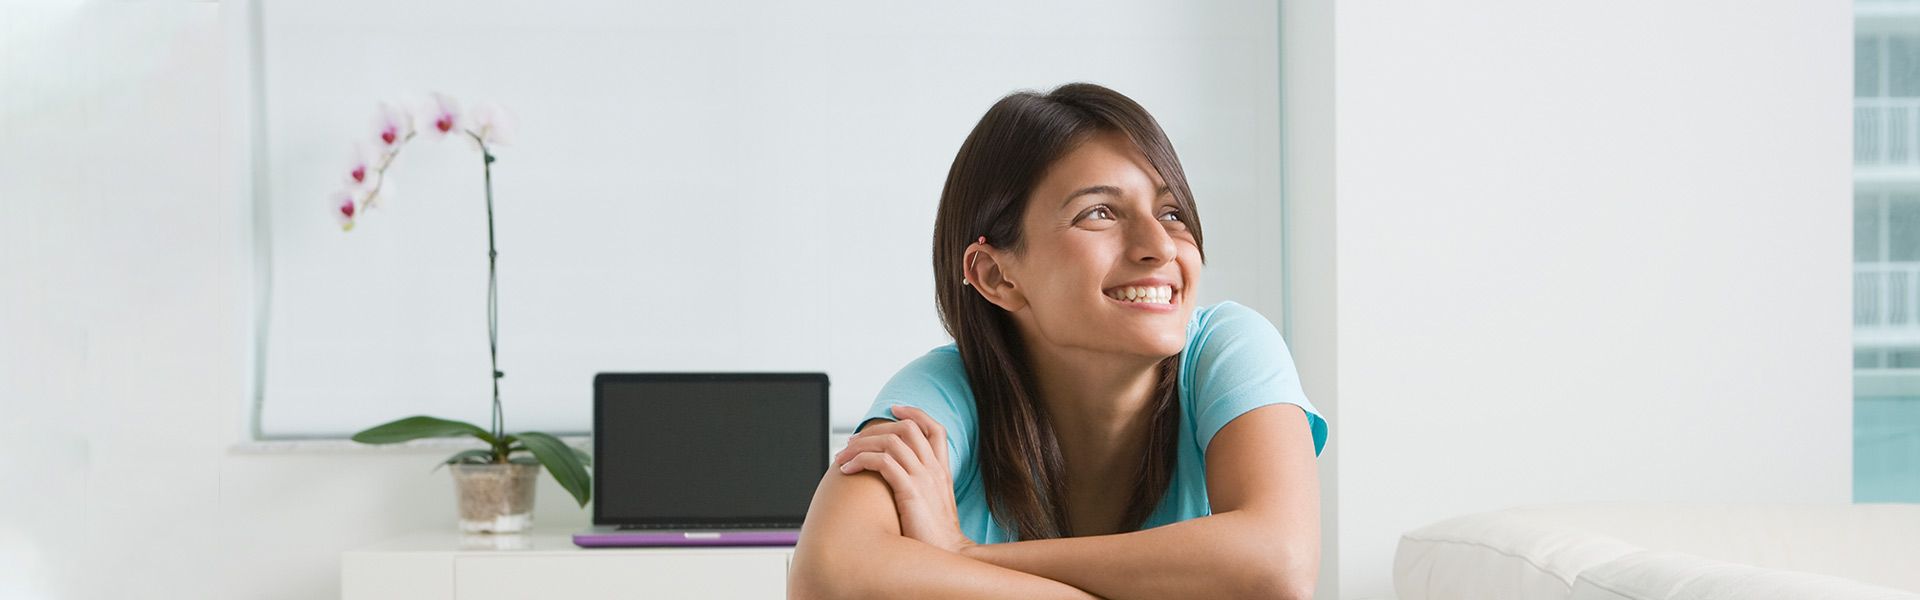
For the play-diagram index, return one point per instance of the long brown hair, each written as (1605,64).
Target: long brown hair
(986,194)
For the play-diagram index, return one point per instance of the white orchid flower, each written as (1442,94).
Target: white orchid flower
(436,116)
(491,124)
(363,170)
(391,128)
(343,207)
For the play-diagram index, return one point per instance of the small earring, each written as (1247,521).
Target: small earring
(970,255)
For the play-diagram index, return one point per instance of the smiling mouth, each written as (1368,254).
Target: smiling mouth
(1149,294)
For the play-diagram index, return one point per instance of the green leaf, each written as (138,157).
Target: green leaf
(413,428)
(585,459)
(560,459)
(468,456)
(522,459)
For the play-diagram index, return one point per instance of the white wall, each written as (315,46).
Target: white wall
(1568,252)
(124,267)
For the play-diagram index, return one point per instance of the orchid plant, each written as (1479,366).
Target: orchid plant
(486,126)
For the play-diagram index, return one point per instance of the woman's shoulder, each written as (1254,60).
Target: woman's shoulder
(1236,361)
(935,382)
(1228,317)
(1227,344)
(937,375)
(942,363)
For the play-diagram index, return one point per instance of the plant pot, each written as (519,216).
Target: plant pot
(495,498)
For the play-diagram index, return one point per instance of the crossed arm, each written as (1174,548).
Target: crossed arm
(881,532)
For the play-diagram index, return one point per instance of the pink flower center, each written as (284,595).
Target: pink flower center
(445,124)
(360,174)
(388,135)
(347,209)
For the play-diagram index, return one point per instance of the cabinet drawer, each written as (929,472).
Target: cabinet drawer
(626,576)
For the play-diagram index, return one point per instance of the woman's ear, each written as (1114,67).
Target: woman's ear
(986,275)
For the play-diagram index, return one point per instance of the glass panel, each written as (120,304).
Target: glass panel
(1886,449)
(1903,227)
(1866,228)
(1866,135)
(1898,134)
(1903,66)
(1866,66)
(1897,302)
(1866,359)
(1866,297)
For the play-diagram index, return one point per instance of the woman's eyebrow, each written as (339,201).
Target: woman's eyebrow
(1110,191)
(1098,189)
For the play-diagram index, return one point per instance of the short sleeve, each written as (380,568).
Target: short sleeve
(937,383)
(1235,362)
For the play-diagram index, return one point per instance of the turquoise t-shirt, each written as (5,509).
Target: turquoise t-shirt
(1235,361)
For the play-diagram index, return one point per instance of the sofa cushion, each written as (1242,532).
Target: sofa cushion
(1497,556)
(1662,575)
(1538,552)
(1872,543)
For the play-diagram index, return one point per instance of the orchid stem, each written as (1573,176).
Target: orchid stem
(382,171)
(493,306)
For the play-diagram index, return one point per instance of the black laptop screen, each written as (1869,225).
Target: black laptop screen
(707,448)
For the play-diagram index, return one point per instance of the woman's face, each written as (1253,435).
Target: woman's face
(1108,264)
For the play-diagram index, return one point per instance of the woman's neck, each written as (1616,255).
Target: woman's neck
(1100,407)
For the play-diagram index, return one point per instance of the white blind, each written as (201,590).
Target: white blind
(697,186)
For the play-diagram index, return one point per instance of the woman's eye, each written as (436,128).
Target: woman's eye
(1100,212)
(1170,216)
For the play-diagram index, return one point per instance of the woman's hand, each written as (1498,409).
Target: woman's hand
(911,454)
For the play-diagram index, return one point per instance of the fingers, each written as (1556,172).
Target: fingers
(912,429)
(935,434)
(916,438)
(875,439)
(885,443)
(884,464)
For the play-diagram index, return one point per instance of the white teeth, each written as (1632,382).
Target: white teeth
(1162,294)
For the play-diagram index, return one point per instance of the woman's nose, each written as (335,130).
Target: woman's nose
(1149,242)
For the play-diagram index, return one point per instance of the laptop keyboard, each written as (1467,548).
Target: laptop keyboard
(655,526)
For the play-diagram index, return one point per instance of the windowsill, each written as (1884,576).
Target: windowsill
(345,446)
(835,441)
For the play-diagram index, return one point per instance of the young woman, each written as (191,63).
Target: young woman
(1090,432)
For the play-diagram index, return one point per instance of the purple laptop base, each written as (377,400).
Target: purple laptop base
(591,539)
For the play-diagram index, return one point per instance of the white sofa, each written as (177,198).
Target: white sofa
(1666,551)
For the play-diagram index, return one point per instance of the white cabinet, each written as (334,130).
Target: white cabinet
(452,566)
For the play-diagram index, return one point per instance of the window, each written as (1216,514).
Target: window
(1886,252)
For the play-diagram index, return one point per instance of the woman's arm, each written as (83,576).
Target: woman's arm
(1262,540)
(851,547)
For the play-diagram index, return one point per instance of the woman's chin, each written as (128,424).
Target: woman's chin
(1158,334)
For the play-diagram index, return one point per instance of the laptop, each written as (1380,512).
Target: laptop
(705,459)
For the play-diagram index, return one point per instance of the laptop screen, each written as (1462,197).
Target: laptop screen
(707,448)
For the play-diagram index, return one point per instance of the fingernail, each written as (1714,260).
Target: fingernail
(846,468)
